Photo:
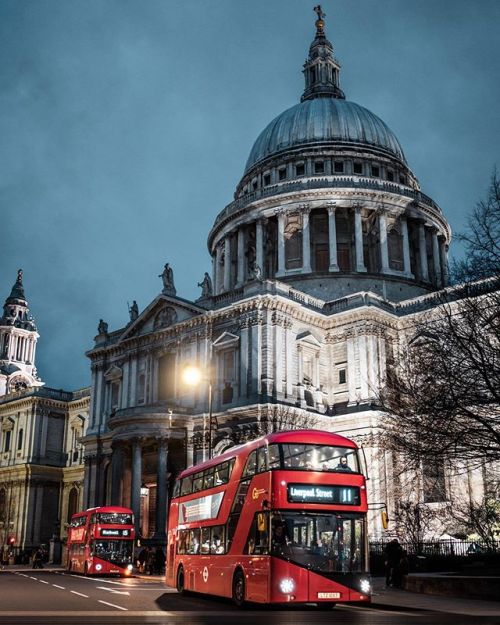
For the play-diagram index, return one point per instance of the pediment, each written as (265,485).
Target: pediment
(163,312)
(308,338)
(225,340)
(113,373)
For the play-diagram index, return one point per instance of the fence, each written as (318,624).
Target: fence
(441,555)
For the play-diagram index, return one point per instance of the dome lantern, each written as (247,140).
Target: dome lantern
(321,69)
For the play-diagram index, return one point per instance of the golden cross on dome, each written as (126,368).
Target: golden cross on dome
(317,9)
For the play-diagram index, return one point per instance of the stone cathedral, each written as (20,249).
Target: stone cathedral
(325,255)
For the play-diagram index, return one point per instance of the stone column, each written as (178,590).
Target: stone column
(406,247)
(227,262)
(161,489)
(384,252)
(358,230)
(332,239)
(435,257)
(281,243)
(444,261)
(424,269)
(116,473)
(306,242)
(241,257)
(135,488)
(217,277)
(259,246)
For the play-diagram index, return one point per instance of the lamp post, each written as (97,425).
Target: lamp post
(192,376)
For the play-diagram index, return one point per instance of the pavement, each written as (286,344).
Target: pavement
(382,597)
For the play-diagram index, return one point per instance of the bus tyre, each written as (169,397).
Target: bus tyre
(239,588)
(180,580)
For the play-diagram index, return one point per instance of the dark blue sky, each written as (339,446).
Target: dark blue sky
(125,127)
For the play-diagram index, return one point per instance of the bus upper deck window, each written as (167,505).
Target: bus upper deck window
(251,465)
(273,457)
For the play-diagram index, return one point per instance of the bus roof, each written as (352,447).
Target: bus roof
(111,509)
(310,437)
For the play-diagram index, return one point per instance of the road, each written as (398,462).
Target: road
(56,598)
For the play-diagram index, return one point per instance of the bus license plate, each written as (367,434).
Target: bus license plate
(328,595)
(114,570)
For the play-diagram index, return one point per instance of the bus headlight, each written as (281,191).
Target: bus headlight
(98,567)
(287,585)
(130,567)
(365,586)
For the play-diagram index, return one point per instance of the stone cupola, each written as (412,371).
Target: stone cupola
(18,338)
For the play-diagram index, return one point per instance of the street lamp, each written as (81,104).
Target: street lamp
(192,376)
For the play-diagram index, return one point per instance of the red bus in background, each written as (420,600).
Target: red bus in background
(279,519)
(101,541)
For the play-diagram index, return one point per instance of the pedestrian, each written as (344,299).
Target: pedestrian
(159,561)
(150,561)
(38,559)
(393,553)
(141,559)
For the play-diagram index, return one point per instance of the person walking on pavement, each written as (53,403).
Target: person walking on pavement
(393,553)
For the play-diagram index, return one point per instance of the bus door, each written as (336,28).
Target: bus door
(258,565)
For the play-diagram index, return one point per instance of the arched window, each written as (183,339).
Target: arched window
(72,503)
(3,505)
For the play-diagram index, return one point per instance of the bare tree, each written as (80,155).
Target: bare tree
(414,521)
(279,418)
(443,393)
(481,518)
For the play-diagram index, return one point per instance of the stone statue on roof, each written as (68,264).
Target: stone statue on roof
(133,311)
(102,328)
(168,280)
(206,286)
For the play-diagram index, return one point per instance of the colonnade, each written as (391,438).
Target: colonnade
(134,448)
(17,347)
(223,251)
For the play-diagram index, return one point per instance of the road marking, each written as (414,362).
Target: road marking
(35,578)
(115,592)
(42,581)
(22,574)
(118,607)
(79,593)
(61,587)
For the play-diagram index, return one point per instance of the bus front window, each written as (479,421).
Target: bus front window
(115,551)
(300,457)
(326,543)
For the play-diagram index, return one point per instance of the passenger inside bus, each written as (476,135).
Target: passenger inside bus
(342,465)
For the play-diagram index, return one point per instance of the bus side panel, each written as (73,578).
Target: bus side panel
(257,577)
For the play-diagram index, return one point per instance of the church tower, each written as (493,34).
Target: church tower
(18,337)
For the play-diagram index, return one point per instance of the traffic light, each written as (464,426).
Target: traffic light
(11,540)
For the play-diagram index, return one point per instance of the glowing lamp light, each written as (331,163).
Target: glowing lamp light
(191,376)
(98,567)
(365,586)
(287,585)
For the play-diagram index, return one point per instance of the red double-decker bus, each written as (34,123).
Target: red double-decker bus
(101,541)
(279,519)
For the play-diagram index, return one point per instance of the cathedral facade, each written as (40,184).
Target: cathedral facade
(327,254)
(41,457)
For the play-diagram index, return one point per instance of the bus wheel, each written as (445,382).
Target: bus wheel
(239,588)
(180,580)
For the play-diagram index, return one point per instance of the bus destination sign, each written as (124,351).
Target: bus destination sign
(107,531)
(311,493)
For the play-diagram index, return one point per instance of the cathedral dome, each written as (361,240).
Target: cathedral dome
(324,120)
